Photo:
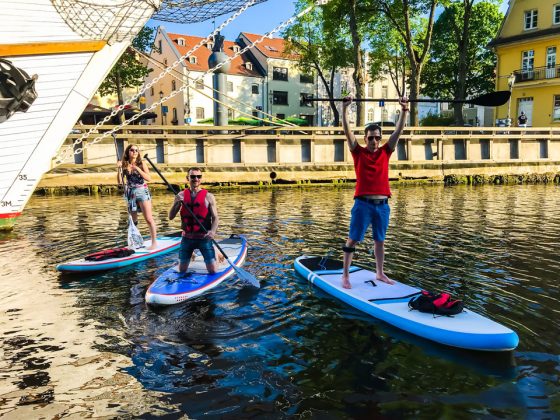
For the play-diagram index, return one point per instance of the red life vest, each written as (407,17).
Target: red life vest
(191,228)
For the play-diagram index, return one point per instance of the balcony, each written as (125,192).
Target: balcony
(537,73)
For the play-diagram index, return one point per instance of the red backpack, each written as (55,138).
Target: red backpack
(109,253)
(437,304)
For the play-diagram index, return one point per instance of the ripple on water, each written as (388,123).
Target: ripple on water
(287,349)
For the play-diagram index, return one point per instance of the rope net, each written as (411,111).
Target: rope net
(191,11)
(109,20)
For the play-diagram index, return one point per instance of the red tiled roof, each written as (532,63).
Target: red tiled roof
(237,65)
(271,47)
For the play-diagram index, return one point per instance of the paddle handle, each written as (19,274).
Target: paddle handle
(190,211)
(453,101)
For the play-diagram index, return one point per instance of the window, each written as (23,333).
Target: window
(249,66)
(306,78)
(370,93)
(192,59)
(531,18)
(236,48)
(199,84)
(175,121)
(255,89)
(160,46)
(550,62)
(370,116)
(173,85)
(229,86)
(302,100)
(556,111)
(279,98)
(527,64)
(556,14)
(384,91)
(199,113)
(181,42)
(280,73)
(152,91)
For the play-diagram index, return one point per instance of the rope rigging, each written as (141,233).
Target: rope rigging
(61,157)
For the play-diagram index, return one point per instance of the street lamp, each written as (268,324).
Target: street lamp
(511,82)
(161,105)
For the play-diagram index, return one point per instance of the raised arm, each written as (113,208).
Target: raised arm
(394,139)
(350,138)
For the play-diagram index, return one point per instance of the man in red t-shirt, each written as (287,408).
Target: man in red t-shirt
(371,206)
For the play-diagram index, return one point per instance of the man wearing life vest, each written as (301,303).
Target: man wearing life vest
(371,199)
(204,213)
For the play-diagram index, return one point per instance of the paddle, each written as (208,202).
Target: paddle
(243,275)
(134,238)
(490,99)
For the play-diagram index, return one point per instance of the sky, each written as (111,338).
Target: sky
(258,19)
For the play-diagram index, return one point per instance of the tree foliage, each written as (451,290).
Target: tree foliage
(460,64)
(129,71)
(320,41)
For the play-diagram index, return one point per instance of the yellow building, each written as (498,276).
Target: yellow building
(526,47)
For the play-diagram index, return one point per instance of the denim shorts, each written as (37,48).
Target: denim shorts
(137,195)
(365,214)
(204,245)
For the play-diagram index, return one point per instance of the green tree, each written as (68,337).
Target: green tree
(322,48)
(129,71)
(414,21)
(460,64)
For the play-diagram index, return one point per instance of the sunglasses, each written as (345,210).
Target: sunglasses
(193,177)
(133,150)
(370,138)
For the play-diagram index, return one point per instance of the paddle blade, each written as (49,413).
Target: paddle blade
(135,239)
(498,98)
(246,277)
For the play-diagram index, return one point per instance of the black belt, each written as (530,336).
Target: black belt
(374,200)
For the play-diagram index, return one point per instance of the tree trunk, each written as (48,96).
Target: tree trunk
(120,97)
(358,75)
(463,44)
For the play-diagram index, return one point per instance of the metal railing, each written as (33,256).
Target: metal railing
(537,73)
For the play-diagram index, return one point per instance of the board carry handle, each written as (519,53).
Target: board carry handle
(243,274)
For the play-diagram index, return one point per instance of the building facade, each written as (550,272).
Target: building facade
(245,92)
(526,47)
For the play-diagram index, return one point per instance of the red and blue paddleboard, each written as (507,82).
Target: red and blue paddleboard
(173,287)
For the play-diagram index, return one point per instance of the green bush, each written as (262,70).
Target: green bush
(437,121)
(237,121)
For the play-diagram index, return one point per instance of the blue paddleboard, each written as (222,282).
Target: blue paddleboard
(173,287)
(165,244)
(389,303)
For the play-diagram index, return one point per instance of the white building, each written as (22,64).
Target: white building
(245,85)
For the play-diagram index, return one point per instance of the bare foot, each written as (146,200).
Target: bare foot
(346,283)
(383,277)
(221,258)
(152,246)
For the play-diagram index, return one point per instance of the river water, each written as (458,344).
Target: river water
(88,346)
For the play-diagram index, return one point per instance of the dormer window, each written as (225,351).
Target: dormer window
(181,42)
(236,49)
(249,66)
(531,19)
(210,46)
(192,59)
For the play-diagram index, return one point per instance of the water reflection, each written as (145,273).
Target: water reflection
(286,349)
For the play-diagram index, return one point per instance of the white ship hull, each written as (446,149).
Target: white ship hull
(70,68)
